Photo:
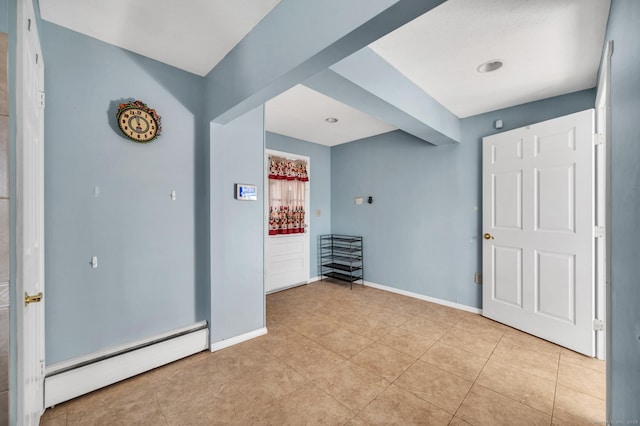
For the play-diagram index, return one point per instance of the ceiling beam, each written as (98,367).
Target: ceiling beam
(296,40)
(367,82)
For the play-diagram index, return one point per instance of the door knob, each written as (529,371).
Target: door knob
(488,236)
(32,299)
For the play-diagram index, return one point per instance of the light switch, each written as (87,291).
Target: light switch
(94,262)
(173,195)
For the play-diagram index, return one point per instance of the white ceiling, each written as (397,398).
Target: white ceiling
(549,47)
(193,35)
(300,113)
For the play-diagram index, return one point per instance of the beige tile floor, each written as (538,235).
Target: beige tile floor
(361,357)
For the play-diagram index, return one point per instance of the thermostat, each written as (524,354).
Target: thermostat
(246,192)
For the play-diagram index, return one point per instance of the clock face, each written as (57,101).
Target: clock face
(138,125)
(138,122)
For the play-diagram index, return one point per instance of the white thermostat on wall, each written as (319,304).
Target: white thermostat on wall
(246,192)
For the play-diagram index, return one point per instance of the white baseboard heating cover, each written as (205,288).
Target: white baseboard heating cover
(78,376)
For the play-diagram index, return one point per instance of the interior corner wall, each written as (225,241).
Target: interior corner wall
(109,197)
(237,227)
(422,233)
(320,187)
(623,328)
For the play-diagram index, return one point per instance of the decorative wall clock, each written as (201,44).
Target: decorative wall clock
(138,122)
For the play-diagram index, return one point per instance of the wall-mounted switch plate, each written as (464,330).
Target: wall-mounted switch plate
(94,262)
(477,278)
(173,195)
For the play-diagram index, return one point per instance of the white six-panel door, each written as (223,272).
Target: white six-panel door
(30,216)
(538,242)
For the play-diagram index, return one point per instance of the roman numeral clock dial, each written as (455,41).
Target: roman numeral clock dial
(138,122)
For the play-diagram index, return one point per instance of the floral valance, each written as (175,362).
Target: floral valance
(287,169)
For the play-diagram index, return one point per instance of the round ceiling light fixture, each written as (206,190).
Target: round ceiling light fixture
(331,120)
(490,66)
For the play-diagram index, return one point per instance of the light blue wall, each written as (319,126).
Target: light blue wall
(4,16)
(320,181)
(623,359)
(237,227)
(145,243)
(421,233)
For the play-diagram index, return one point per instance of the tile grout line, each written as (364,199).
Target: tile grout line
(479,373)
(387,387)
(555,390)
(164,415)
(542,378)
(403,371)
(455,347)
(448,372)
(373,341)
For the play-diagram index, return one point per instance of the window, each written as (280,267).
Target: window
(287,180)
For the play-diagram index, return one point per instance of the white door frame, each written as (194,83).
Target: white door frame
(307,207)
(603,202)
(29,244)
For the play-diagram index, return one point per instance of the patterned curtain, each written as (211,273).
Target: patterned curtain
(287,179)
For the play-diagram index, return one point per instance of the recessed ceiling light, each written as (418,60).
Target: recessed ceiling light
(331,120)
(490,66)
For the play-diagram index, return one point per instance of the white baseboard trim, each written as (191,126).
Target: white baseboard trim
(238,339)
(425,298)
(68,380)
(275,290)
(311,280)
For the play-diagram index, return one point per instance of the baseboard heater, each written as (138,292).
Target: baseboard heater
(78,376)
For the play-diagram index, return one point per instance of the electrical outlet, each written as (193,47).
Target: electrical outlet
(477,278)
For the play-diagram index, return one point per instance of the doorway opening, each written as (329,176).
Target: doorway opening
(287,205)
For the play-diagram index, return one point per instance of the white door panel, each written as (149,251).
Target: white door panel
(538,216)
(554,284)
(507,195)
(507,264)
(288,264)
(555,199)
(287,256)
